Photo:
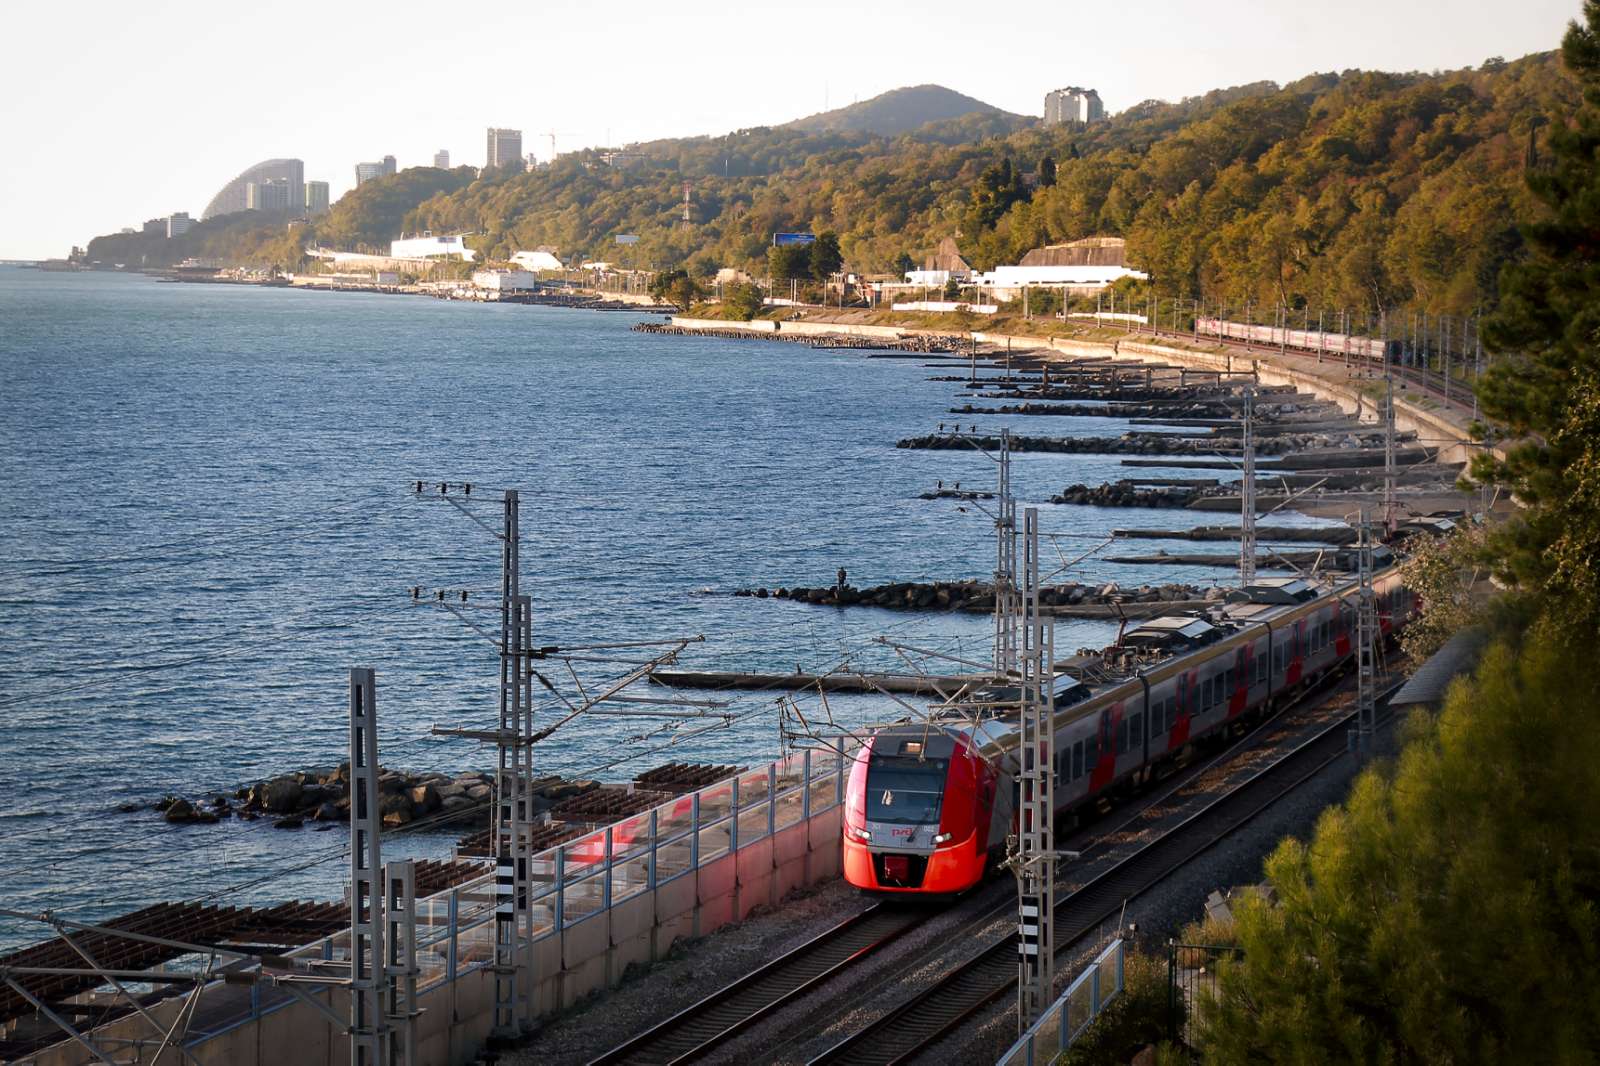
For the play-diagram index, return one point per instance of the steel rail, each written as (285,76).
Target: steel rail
(697,1029)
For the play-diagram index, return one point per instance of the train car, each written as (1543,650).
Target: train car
(1305,340)
(928,806)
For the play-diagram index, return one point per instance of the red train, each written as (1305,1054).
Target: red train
(928,808)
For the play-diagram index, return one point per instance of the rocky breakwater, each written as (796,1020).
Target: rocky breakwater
(1129,494)
(323,796)
(978,597)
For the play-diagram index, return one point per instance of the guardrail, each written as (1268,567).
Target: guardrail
(1065,1019)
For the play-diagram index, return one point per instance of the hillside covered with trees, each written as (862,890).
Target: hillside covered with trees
(1360,190)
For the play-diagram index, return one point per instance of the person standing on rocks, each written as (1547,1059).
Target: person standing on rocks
(838,586)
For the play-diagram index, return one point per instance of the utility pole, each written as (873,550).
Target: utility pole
(1247,495)
(368,1031)
(1036,851)
(1367,634)
(1007,601)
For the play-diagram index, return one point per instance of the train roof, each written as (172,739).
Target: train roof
(1173,632)
(1278,590)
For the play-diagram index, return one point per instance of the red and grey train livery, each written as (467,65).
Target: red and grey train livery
(929,806)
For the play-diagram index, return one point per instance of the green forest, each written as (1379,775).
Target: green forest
(1361,190)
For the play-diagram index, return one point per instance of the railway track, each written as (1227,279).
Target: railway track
(704,1026)
(698,1029)
(932,1014)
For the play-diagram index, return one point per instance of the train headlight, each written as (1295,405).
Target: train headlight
(860,834)
(942,838)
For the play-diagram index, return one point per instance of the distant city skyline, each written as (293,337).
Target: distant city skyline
(60,124)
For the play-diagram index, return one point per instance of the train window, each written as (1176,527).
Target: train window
(1172,712)
(1261,669)
(1227,681)
(1122,735)
(1077,759)
(1136,731)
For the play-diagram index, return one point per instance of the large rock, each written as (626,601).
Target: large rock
(394,808)
(454,788)
(179,810)
(424,799)
(279,795)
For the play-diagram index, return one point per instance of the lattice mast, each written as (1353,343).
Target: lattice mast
(1036,854)
(1247,495)
(1367,636)
(513,773)
(1389,476)
(1007,601)
(369,1031)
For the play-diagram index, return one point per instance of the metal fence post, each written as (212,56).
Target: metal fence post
(605,892)
(733,817)
(772,797)
(694,833)
(805,795)
(838,779)
(650,873)
(453,919)
(561,887)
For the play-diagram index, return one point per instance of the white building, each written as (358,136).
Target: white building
(178,223)
(505,280)
(1007,282)
(542,259)
(428,246)
(1073,105)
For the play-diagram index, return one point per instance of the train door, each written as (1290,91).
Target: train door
(1105,764)
(1297,651)
(1243,667)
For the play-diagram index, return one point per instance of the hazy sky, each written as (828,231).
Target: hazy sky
(111,113)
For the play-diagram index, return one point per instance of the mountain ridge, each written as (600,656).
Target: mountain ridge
(901,111)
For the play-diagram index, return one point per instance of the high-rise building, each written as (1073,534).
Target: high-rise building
(441,159)
(271,197)
(178,223)
(1073,105)
(367,171)
(155,225)
(316,197)
(233,195)
(505,148)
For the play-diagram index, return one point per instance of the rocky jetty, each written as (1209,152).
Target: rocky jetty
(323,795)
(978,597)
(1143,443)
(1129,494)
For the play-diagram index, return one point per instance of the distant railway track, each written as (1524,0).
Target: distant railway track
(1424,378)
(930,1015)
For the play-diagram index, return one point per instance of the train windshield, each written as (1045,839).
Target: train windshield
(905,791)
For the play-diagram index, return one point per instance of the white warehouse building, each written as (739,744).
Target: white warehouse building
(1007,282)
(428,246)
